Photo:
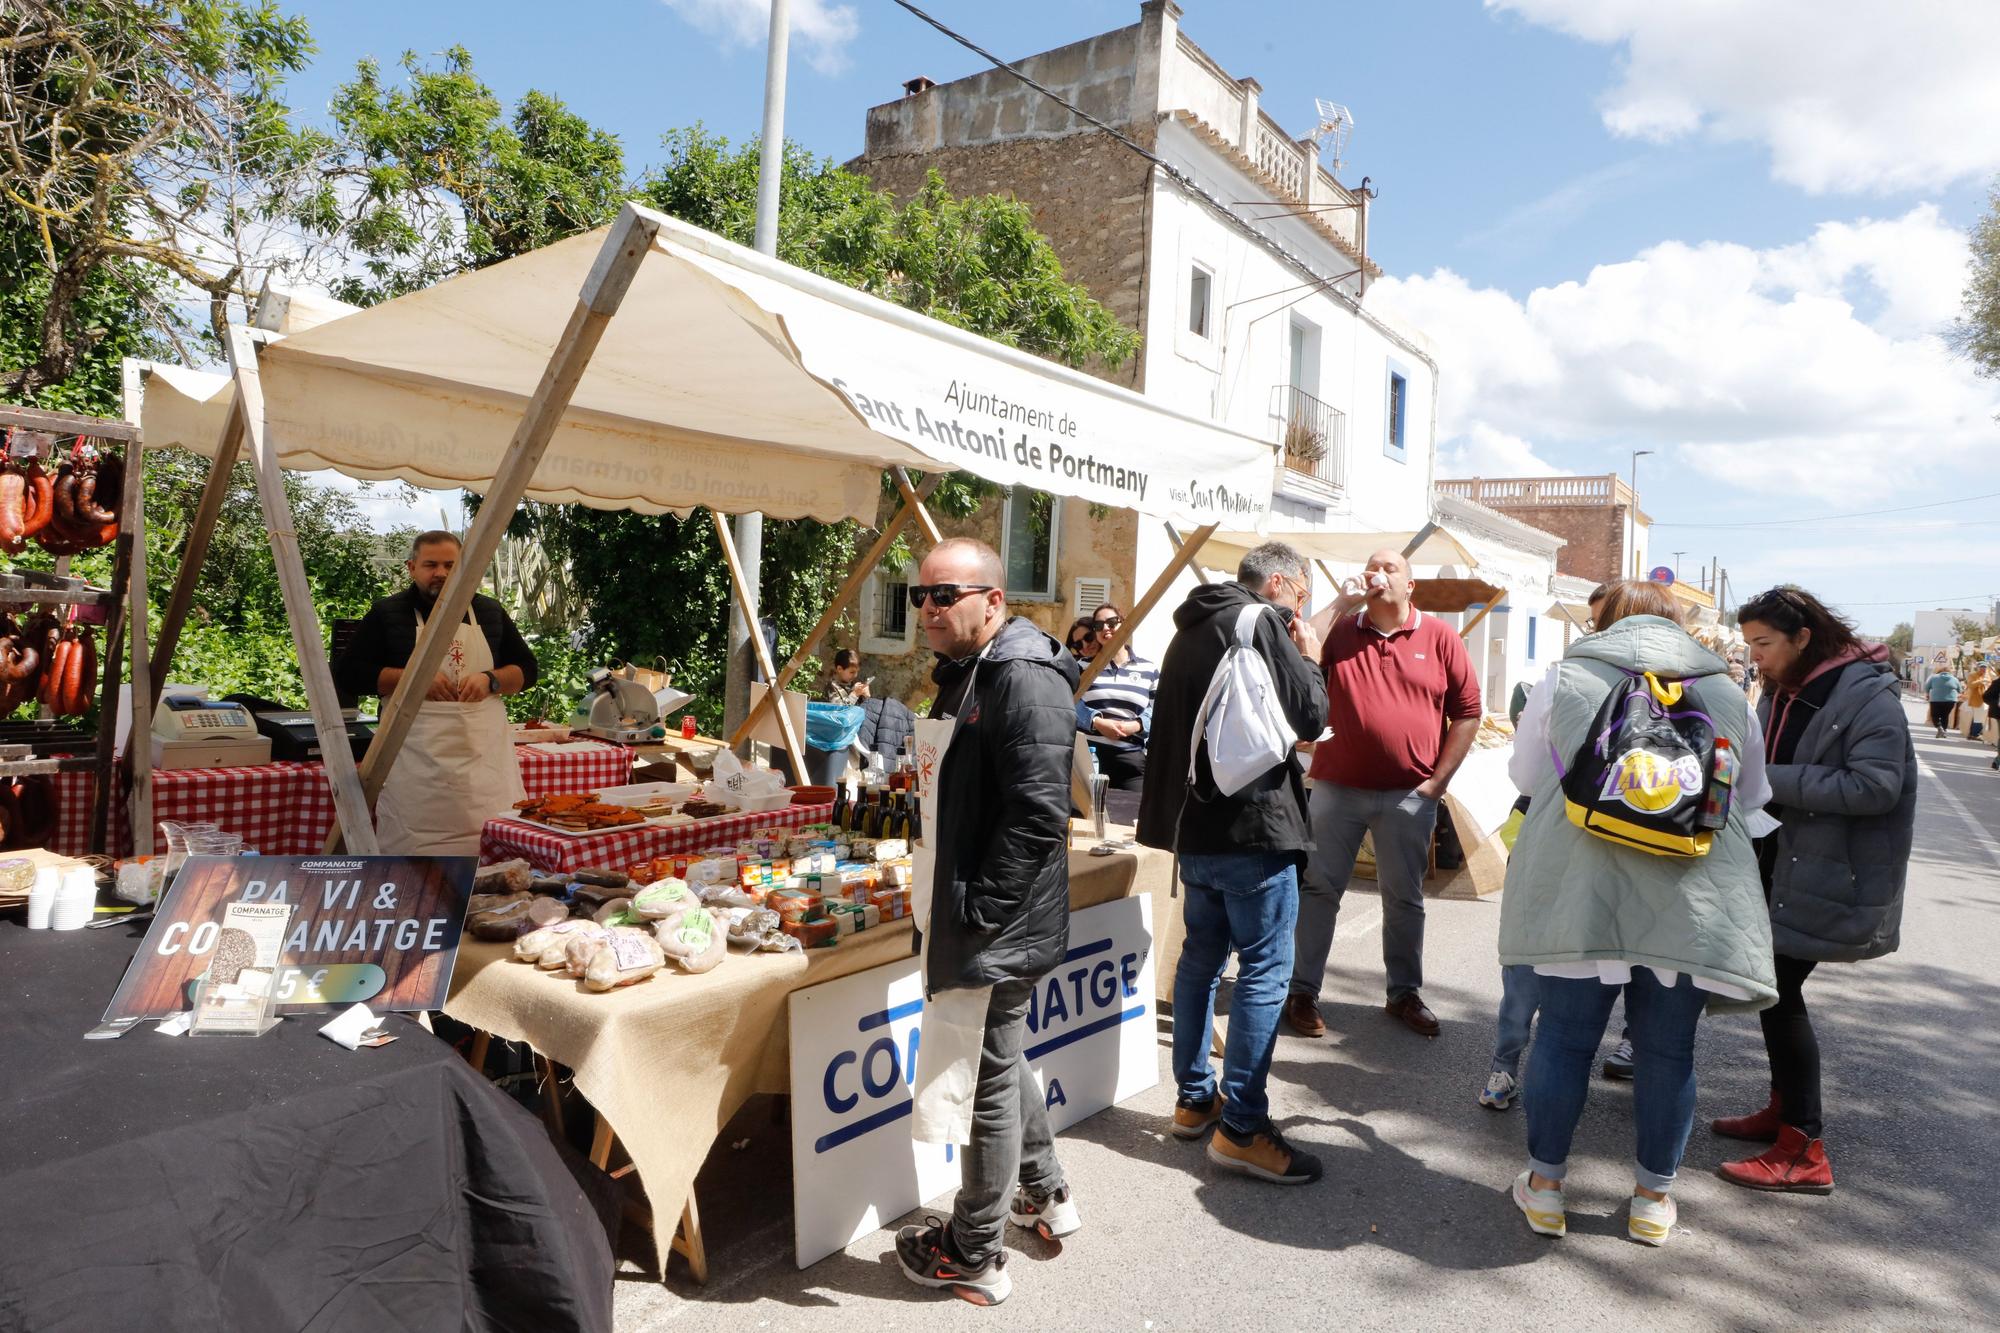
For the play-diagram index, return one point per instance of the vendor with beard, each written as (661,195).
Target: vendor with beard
(456,769)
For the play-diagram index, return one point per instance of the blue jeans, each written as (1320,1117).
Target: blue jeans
(1520,996)
(1661,1021)
(1246,903)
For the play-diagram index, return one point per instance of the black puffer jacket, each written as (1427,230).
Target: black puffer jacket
(1000,905)
(1269,815)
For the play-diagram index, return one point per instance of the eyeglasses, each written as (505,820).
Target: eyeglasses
(942,595)
(1109,622)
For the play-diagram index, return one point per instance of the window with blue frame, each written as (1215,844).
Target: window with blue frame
(1399,397)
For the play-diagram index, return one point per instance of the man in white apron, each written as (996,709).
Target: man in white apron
(992,908)
(457,767)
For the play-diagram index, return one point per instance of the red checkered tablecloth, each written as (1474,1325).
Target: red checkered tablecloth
(559,853)
(600,766)
(286,809)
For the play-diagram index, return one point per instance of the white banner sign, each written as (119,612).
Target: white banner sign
(1009,417)
(855,1044)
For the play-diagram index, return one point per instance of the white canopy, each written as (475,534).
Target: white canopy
(726,379)
(1225,550)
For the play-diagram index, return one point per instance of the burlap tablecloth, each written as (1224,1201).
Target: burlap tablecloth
(669,1061)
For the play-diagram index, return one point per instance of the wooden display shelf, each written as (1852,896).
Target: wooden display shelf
(85,596)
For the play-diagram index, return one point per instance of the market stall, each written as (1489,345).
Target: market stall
(158,1182)
(725,380)
(665,1064)
(559,853)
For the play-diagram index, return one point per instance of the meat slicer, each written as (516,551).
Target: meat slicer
(627,711)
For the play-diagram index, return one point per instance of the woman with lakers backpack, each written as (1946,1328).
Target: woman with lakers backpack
(1633,871)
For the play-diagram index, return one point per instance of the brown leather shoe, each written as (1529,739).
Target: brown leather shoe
(1301,1015)
(1415,1014)
(1192,1119)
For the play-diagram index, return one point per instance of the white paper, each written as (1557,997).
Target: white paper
(177,1025)
(347,1027)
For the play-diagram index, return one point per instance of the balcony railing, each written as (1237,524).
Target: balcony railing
(1282,160)
(1314,439)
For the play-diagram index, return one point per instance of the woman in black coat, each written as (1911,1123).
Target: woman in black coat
(1843,776)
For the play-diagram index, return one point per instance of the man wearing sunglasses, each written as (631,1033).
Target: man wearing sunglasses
(999,914)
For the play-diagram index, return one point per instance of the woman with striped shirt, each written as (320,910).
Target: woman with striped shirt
(1116,712)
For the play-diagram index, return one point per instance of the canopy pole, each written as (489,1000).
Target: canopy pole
(1174,536)
(349,802)
(925,523)
(757,645)
(858,576)
(1123,635)
(1416,542)
(138,740)
(625,247)
(194,550)
(1484,612)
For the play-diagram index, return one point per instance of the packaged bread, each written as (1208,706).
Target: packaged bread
(694,939)
(794,904)
(664,900)
(503,877)
(625,955)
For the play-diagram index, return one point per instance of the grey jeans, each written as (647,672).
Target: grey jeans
(1402,823)
(1011,1140)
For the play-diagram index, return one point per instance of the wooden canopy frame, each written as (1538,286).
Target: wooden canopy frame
(356,786)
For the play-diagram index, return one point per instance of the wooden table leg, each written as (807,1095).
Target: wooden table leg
(687,1240)
(600,1144)
(477,1056)
(552,1113)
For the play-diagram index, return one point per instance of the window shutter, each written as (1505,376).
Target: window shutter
(1087,594)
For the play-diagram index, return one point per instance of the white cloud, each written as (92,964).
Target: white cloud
(1483,450)
(1850,95)
(821,29)
(1811,371)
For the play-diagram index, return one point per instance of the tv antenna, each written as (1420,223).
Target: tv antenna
(1336,123)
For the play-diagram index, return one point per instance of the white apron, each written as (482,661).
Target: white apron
(954,1026)
(457,768)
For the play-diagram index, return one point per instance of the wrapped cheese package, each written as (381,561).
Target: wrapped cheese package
(695,940)
(626,955)
(811,934)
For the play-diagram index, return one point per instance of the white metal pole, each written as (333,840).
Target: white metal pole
(750,527)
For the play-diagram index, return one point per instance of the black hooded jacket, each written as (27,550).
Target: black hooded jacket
(1269,815)
(1000,901)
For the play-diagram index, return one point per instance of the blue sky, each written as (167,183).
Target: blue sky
(1728,231)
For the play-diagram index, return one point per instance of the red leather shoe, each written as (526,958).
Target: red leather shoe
(1760,1127)
(1794,1164)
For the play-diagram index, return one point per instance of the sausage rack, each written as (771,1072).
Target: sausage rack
(46,747)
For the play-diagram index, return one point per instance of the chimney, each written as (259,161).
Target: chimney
(920,84)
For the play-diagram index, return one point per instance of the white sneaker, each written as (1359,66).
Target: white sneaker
(1542,1208)
(1498,1094)
(1054,1215)
(1650,1222)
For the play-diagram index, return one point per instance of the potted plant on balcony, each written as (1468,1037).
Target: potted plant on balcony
(1305,445)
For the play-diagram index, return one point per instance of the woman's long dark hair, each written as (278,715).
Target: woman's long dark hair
(1788,610)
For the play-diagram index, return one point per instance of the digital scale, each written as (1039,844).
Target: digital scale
(193,731)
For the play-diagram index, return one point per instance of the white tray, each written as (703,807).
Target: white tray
(517,816)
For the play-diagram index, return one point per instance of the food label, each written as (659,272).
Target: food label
(630,951)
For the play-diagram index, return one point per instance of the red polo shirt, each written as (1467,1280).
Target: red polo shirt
(1388,698)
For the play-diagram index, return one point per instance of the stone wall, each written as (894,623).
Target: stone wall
(1087,193)
(1594,536)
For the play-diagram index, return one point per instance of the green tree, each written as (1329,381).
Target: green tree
(1902,637)
(1976,334)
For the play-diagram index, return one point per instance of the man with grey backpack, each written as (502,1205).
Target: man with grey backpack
(1238,822)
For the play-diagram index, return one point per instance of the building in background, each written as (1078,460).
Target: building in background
(1230,243)
(1603,529)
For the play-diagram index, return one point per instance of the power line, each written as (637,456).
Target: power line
(1834,518)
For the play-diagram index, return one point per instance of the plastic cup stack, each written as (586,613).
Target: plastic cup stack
(42,898)
(76,902)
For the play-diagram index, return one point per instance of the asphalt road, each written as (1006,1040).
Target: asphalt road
(1412,1226)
